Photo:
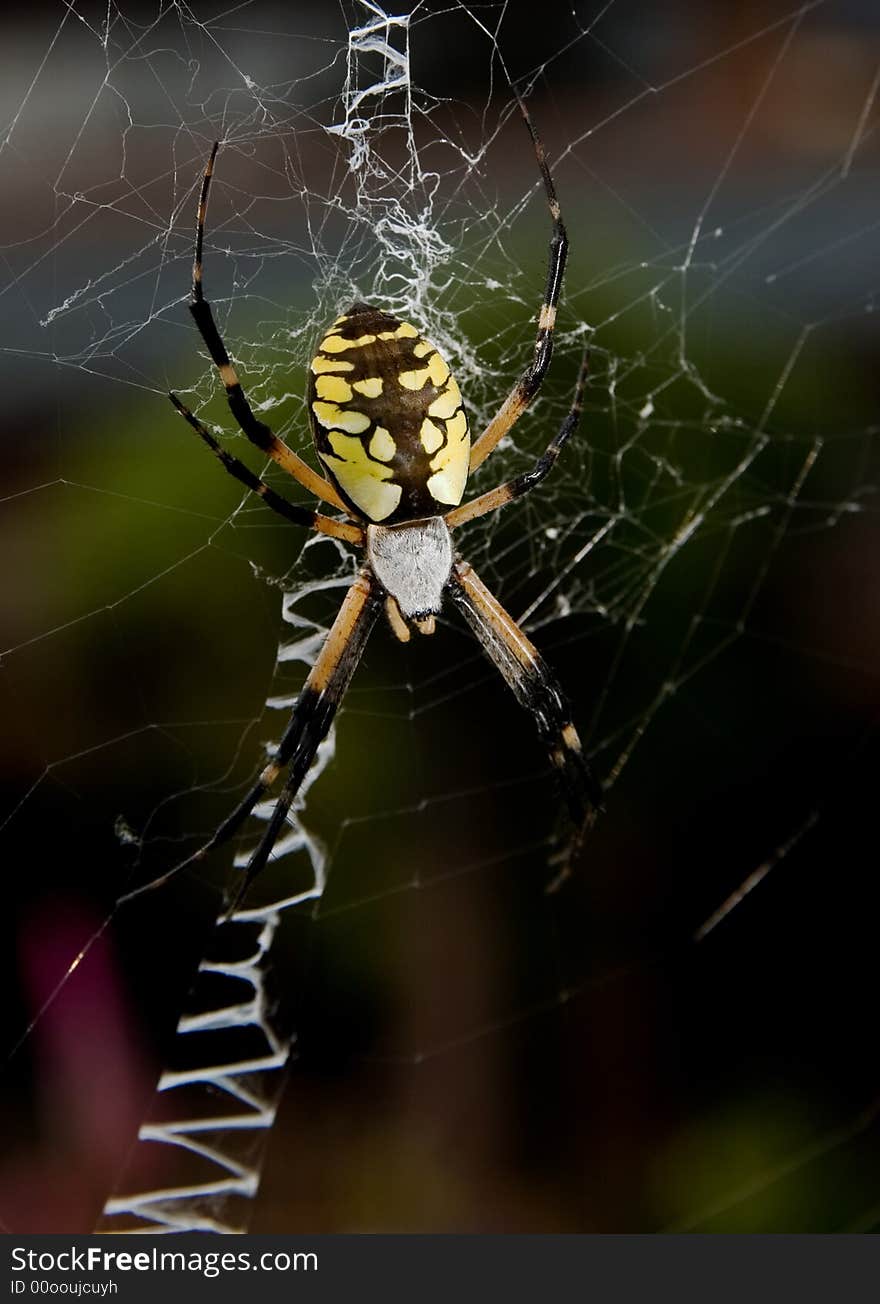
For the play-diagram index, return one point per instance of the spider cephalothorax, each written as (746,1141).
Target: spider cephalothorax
(391,432)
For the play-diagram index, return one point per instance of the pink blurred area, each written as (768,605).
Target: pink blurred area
(89,1074)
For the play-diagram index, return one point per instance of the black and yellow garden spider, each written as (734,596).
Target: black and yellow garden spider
(392,434)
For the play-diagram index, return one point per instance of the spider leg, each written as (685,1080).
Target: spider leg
(535,688)
(257,432)
(309,721)
(290,511)
(506,493)
(312,716)
(530,381)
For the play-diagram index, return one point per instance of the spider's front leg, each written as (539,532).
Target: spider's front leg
(255,430)
(290,511)
(535,688)
(523,484)
(532,377)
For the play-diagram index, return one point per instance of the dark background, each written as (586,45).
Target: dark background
(473,1055)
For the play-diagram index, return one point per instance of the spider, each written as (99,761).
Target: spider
(392,435)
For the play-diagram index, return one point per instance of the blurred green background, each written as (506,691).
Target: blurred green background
(473,1055)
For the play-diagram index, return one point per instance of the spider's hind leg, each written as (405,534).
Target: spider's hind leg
(535,688)
(310,721)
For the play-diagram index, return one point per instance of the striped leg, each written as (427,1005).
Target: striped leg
(535,688)
(506,493)
(290,511)
(530,381)
(257,432)
(309,721)
(313,715)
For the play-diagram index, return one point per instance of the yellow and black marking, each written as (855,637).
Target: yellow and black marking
(387,417)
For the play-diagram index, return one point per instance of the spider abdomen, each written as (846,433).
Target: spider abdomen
(387,418)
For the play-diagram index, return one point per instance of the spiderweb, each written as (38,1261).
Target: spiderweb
(681,1039)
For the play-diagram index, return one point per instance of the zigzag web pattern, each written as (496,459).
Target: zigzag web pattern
(215,1115)
(213,1118)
